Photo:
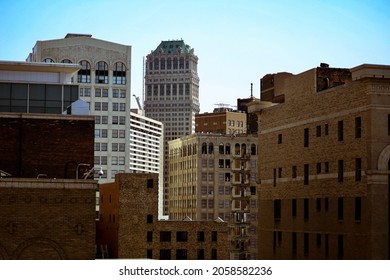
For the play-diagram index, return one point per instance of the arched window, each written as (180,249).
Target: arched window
(156,66)
(162,62)
(253,150)
(243,149)
(48,60)
(84,74)
(101,73)
(119,74)
(204,148)
(181,61)
(174,63)
(227,149)
(237,149)
(194,149)
(66,61)
(169,63)
(221,149)
(211,148)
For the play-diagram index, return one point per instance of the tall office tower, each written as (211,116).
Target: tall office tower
(104,82)
(215,176)
(172,94)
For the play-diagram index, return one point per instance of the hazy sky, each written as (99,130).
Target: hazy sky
(237,42)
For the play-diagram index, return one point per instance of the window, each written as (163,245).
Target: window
(358,127)
(340,175)
(149,183)
(318,131)
(277,210)
(306,174)
(181,236)
(340,130)
(306,137)
(101,73)
(213,254)
(306,209)
(274,181)
(165,236)
(181,254)
(149,236)
(294,171)
(358,209)
(165,254)
(114,119)
(280,139)
(149,219)
(318,167)
(84,74)
(326,206)
(214,236)
(318,204)
(358,169)
(294,243)
(326,167)
(306,243)
(119,74)
(280,172)
(293,207)
(200,254)
(340,208)
(326,128)
(149,254)
(388,124)
(340,246)
(200,236)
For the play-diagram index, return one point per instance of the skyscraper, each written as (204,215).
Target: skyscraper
(172,94)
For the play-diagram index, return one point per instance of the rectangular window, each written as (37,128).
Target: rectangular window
(306,209)
(277,210)
(165,254)
(274,177)
(358,209)
(340,175)
(326,167)
(326,204)
(294,208)
(340,208)
(280,139)
(318,204)
(306,244)
(326,245)
(200,236)
(294,171)
(165,236)
(200,254)
(306,174)
(306,137)
(149,183)
(214,254)
(181,254)
(279,172)
(294,243)
(318,131)
(181,236)
(358,127)
(340,247)
(149,219)
(149,254)
(318,167)
(214,236)
(340,130)
(358,169)
(149,236)
(326,129)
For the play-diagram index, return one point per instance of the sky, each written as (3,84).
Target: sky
(237,42)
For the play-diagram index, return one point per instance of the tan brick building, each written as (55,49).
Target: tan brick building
(129,225)
(214,176)
(324,165)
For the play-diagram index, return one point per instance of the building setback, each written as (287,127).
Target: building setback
(104,82)
(172,94)
(325,151)
(129,225)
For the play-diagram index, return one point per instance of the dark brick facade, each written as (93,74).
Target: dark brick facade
(33,144)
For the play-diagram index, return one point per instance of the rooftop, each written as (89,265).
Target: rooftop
(173,47)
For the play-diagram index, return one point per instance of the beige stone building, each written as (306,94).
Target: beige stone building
(214,176)
(129,225)
(324,165)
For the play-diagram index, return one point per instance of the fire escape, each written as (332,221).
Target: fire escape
(239,222)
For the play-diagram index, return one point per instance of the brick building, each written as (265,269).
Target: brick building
(53,146)
(324,165)
(129,225)
(47,219)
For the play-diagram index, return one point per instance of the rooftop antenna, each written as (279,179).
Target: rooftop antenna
(143,82)
(252,90)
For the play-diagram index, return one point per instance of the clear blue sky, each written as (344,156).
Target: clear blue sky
(237,42)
